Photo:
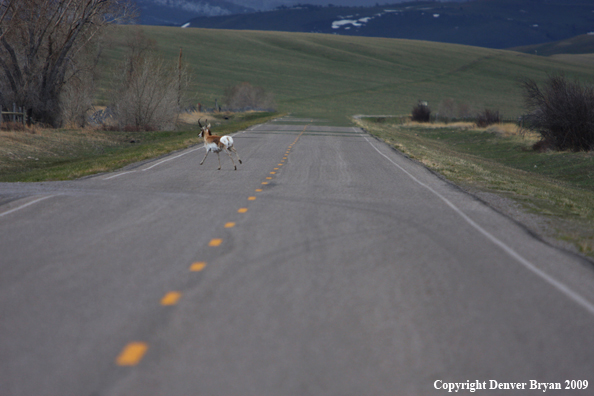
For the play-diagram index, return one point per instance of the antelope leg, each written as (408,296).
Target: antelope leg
(235,151)
(229,154)
(204,157)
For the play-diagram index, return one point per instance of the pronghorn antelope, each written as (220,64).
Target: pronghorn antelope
(216,144)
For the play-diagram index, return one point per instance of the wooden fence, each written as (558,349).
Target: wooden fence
(17,115)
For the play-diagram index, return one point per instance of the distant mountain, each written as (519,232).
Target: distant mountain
(266,5)
(176,12)
(484,23)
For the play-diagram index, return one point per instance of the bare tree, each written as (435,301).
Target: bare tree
(76,98)
(40,44)
(148,91)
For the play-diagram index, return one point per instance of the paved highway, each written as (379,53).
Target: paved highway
(327,264)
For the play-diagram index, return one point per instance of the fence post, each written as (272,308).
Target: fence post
(1,116)
(13,112)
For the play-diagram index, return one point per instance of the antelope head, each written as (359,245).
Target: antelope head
(204,129)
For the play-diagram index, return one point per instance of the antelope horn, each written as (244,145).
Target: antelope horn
(199,123)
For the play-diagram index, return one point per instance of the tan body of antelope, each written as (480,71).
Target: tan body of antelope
(216,144)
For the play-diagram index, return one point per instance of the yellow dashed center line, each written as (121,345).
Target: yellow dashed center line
(132,354)
(171,298)
(269,178)
(197,266)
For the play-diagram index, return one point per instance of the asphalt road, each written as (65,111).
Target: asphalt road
(327,264)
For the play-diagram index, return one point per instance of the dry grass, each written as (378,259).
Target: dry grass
(437,125)
(502,130)
(511,130)
(17,148)
(215,118)
(192,118)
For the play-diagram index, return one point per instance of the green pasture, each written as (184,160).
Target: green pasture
(335,77)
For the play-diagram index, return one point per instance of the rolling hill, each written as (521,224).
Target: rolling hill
(334,77)
(485,23)
(582,44)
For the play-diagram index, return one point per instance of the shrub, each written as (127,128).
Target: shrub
(488,117)
(450,109)
(421,113)
(464,111)
(245,96)
(447,110)
(562,113)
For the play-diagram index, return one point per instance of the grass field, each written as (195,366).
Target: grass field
(582,44)
(335,77)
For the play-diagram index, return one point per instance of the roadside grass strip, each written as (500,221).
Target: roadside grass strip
(512,253)
(64,154)
(556,186)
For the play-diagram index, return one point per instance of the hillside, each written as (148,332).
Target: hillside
(334,77)
(483,23)
(582,44)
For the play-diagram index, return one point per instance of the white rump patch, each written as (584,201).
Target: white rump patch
(227,141)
